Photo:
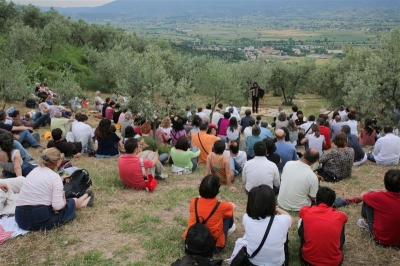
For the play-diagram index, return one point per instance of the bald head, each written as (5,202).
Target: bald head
(280,134)
(311,155)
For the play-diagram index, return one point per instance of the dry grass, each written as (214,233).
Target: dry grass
(128,227)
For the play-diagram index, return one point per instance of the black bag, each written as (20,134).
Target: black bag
(190,260)
(242,257)
(30,103)
(79,183)
(199,240)
(327,175)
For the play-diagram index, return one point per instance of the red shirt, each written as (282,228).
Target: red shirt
(386,207)
(323,226)
(130,171)
(215,223)
(326,132)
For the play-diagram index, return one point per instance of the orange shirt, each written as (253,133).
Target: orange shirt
(207,141)
(215,223)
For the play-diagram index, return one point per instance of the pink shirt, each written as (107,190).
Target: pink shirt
(109,113)
(42,186)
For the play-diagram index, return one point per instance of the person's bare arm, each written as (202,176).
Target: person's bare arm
(208,165)
(229,174)
(3,187)
(17,164)
(21,128)
(283,212)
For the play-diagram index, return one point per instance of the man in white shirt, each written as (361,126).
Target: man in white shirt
(342,113)
(216,116)
(247,130)
(235,110)
(260,171)
(200,112)
(299,184)
(207,111)
(239,157)
(307,125)
(387,148)
(336,127)
(83,132)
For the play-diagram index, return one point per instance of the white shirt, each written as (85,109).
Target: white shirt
(272,253)
(307,125)
(316,143)
(235,112)
(353,127)
(343,115)
(387,150)
(260,171)
(233,135)
(336,128)
(201,115)
(42,187)
(78,129)
(247,132)
(298,181)
(241,157)
(207,112)
(216,117)
(99,99)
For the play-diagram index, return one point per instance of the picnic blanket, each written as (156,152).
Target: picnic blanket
(9,229)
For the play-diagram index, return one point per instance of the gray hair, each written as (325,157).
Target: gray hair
(264,123)
(128,115)
(338,118)
(57,114)
(98,93)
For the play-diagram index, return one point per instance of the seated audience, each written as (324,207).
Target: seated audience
(177,131)
(239,157)
(105,105)
(235,111)
(300,119)
(204,142)
(11,160)
(244,122)
(65,112)
(322,220)
(255,137)
(367,134)
(61,122)
(339,161)
(247,130)
(386,149)
(271,154)
(360,156)
(261,208)
(108,141)
(233,130)
(299,184)
(83,132)
(336,126)
(129,168)
(260,171)
(315,139)
(16,116)
(109,112)
(183,156)
(212,129)
(219,165)
(117,113)
(216,116)
(380,211)
(42,117)
(285,150)
(166,125)
(128,121)
(223,124)
(325,131)
(352,123)
(293,116)
(23,132)
(307,126)
(221,224)
(200,112)
(265,133)
(41,204)
(293,132)
(281,121)
(196,120)
(147,143)
(67,145)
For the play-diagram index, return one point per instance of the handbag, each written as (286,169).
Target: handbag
(149,180)
(242,257)
(327,175)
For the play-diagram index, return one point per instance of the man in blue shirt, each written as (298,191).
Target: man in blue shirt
(285,150)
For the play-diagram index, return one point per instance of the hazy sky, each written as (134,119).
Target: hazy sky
(62,3)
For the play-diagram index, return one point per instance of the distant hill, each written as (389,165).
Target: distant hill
(214,8)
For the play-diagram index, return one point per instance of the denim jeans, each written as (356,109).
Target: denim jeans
(41,120)
(163,158)
(370,157)
(39,217)
(194,160)
(228,222)
(367,212)
(25,155)
(26,169)
(26,135)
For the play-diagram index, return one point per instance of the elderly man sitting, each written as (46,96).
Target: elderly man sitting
(98,101)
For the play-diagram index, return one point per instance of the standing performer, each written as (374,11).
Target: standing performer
(256,93)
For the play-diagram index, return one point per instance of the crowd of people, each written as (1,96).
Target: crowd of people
(276,177)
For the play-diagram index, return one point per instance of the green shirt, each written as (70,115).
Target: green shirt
(147,144)
(59,123)
(183,159)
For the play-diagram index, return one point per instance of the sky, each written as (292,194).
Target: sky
(63,3)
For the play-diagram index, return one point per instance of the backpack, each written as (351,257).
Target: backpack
(30,103)
(78,184)
(199,240)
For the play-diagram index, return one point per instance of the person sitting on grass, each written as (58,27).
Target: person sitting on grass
(255,137)
(221,223)
(108,142)
(129,168)
(386,149)
(11,160)
(380,211)
(182,156)
(61,122)
(67,145)
(322,231)
(41,204)
(147,143)
(219,165)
